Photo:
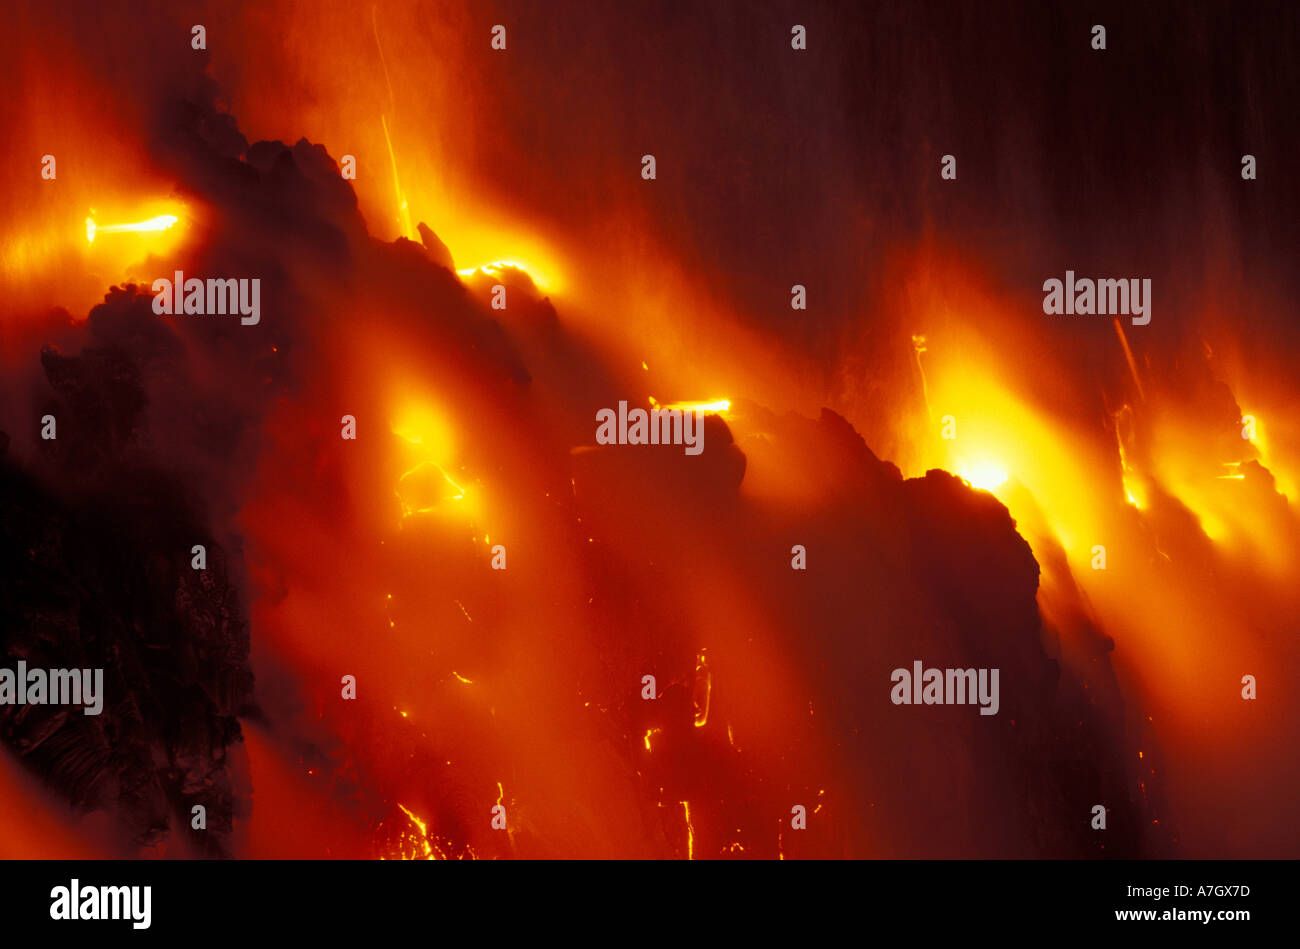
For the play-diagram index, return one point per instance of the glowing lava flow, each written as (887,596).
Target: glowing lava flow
(424,833)
(160,223)
(703,690)
(425,485)
(424,845)
(717,406)
(494,269)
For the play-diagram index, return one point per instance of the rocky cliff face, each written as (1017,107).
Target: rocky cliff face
(95,572)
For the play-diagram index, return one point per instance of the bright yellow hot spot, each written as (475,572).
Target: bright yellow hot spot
(160,223)
(494,268)
(418,424)
(426,484)
(983,475)
(979,425)
(717,406)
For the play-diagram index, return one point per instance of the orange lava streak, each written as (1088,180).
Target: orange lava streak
(160,223)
